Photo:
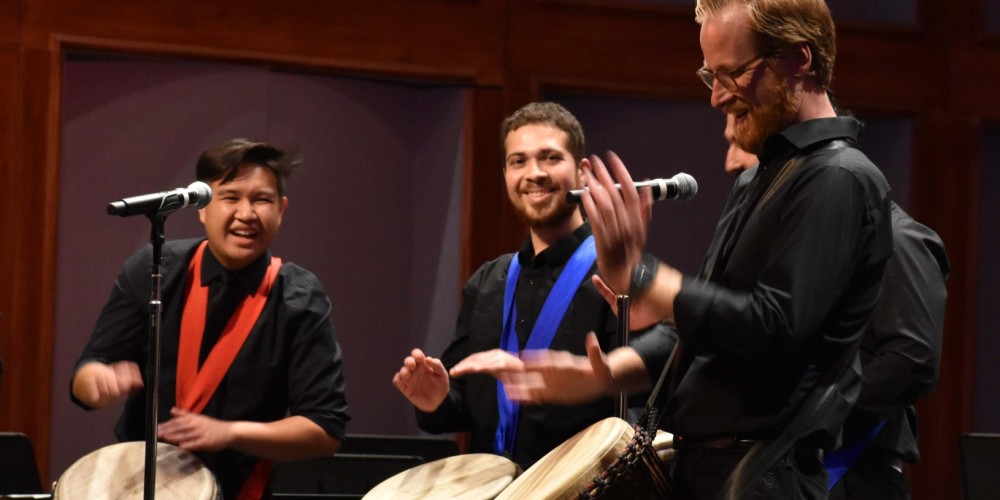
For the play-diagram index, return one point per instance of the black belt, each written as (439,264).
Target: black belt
(683,443)
(874,458)
(804,447)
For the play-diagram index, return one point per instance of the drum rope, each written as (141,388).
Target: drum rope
(623,465)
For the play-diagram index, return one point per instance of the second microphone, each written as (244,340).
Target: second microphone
(679,187)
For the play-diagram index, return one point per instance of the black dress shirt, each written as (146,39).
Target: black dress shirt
(786,289)
(289,364)
(901,349)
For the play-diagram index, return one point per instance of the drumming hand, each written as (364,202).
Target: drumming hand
(423,380)
(561,377)
(619,218)
(195,432)
(97,384)
(493,362)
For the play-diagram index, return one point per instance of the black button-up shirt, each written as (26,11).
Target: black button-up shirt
(472,402)
(289,364)
(786,290)
(901,349)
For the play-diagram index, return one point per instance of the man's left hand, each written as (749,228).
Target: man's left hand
(195,432)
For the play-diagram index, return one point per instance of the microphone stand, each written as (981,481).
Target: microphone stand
(153,354)
(623,320)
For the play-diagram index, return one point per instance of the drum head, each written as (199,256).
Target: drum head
(476,476)
(567,469)
(118,472)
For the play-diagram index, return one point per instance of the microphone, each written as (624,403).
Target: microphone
(198,194)
(680,187)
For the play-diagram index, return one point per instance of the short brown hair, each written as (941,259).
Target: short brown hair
(546,113)
(779,25)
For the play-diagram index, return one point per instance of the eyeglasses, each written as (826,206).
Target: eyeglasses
(728,78)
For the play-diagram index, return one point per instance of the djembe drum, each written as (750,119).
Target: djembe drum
(476,476)
(610,459)
(117,472)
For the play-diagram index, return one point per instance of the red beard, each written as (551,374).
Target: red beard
(763,122)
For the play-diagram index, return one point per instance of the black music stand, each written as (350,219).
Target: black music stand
(18,468)
(980,455)
(363,462)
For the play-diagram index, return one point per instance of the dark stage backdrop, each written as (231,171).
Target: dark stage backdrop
(987,407)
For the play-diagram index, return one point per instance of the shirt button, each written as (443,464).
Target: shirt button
(520,321)
(531,282)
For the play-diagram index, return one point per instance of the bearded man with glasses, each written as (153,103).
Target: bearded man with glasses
(767,367)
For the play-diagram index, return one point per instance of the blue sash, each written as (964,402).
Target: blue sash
(542,333)
(840,460)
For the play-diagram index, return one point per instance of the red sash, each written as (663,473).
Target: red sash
(195,387)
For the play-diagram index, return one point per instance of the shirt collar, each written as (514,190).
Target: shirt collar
(555,255)
(807,134)
(248,278)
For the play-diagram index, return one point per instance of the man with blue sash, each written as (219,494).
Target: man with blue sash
(538,298)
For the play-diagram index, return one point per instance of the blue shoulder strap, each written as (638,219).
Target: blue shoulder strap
(542,333)
(840,460)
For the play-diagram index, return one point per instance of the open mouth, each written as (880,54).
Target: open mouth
(539,195)
(244,234)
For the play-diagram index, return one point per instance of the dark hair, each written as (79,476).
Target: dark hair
(223,161)
(547,113)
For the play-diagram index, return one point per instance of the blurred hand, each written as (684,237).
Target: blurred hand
(98,384)
(493,362)
(560,377)
(619,218)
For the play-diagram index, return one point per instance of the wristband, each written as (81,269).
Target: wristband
(643,274)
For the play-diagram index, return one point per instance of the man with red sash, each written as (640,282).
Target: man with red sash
(250,370)
(541,297)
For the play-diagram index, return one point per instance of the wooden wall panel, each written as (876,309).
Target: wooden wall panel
(487,230)
(886,71)
(943,190)
(604,49)
(10,133)
(29,269)
(437,38)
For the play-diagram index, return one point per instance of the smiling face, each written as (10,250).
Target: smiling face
(244,215)
(539,171)
(763,102)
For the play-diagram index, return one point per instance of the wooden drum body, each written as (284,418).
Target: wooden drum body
(607,450)
(118,472)
(476,476)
